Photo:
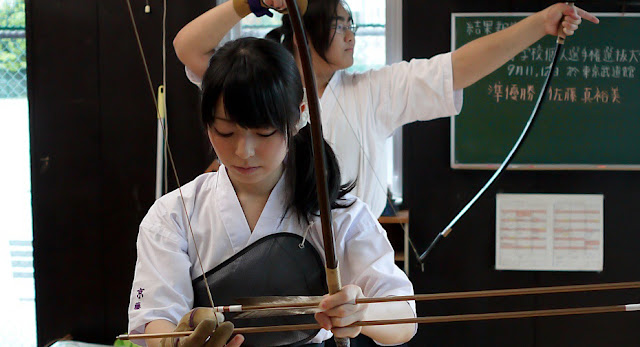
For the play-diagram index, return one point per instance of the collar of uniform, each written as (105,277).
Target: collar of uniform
(273,212)
(230,211)
(233,217)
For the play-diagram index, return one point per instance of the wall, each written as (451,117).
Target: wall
(93,140)
(465,260)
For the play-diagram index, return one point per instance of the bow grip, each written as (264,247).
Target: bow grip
(561,35)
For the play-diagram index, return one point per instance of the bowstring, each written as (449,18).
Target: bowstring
(390,202)
(164,100)
(468,206)
(164,130)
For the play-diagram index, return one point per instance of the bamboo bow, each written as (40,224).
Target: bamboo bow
(523,136)
(332,271)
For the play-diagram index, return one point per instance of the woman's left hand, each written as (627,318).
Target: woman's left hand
(208,330)
(566,17)
(340,310)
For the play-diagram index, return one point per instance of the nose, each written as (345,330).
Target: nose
(349,36)
(246,147)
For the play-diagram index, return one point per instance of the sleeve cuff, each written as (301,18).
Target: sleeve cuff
(193,78)
(454,96)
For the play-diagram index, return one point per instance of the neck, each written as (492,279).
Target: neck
(261,189)
(321,69)
(322,81)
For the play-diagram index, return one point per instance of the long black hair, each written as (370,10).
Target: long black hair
(260,86)
(317,20)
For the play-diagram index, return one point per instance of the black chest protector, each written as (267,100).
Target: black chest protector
(273,266)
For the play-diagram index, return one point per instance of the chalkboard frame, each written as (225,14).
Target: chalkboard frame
(517,166)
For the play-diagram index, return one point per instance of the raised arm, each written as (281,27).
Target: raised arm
(482,56)
(195,43)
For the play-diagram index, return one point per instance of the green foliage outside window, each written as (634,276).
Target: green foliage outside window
(13,49)
(12,15)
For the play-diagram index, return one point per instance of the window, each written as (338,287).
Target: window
(16,253)
(379,42)
(369,15)
(370,52)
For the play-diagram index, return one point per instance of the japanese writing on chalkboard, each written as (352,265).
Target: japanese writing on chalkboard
(598,66)
(500,92)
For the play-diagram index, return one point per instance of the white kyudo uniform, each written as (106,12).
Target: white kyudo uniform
(167,262)
(361,110)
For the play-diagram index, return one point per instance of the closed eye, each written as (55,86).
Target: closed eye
(268,134)
(221,133)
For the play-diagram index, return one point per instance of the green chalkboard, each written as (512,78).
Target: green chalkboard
(590,118)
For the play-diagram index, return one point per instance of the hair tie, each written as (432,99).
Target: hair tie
(304,115)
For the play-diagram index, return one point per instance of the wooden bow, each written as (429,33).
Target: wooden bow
(333,273)
(514,150)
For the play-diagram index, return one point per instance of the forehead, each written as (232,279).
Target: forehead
(342,14)
(220,113)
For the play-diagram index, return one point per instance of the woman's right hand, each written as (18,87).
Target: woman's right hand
(278,5)
(566,17)
(281,5)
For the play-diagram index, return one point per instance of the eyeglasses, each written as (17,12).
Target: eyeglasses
(342,28)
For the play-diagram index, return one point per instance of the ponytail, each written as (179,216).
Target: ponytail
(283,34)
(301,178)
(275,35)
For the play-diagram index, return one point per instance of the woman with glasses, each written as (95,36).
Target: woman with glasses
(361,110)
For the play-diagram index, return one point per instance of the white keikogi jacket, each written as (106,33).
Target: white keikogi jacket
(167,262)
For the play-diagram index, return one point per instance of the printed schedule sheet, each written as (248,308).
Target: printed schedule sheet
(549,232)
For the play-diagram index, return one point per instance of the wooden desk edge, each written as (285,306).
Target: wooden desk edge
(401,218)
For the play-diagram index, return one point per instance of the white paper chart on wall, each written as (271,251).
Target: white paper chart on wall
(549,232)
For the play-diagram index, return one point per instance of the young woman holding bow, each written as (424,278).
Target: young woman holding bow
(253,111)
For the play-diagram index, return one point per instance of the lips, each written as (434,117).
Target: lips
(246,170)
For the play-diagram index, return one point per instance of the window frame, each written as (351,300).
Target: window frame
(393,36)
